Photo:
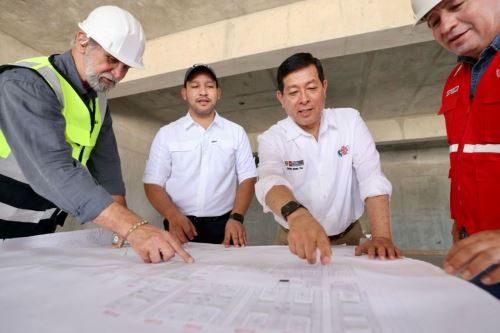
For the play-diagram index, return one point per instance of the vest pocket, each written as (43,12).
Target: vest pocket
(489,114)
(488,189)
(452,119)
(78,135)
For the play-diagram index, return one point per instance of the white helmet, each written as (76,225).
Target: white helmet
(421,8)
(117,32)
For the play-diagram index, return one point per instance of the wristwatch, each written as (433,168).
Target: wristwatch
(237,217)
(289,208)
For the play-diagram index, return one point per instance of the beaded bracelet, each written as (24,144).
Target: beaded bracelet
(134,228)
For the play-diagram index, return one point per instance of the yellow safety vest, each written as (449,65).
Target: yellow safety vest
(82,128)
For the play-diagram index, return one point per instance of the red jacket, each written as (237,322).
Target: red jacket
(473,127)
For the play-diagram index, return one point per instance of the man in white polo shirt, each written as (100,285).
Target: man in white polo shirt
(318,168)
(200,174)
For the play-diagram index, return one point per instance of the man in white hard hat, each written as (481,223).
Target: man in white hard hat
(471,107)
(58,152)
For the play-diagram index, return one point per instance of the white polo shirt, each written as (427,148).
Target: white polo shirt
(200,168)
(331,177)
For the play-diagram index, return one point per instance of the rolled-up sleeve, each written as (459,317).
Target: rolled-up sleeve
(270,170)
(366,163)
(32,122)
(159,164)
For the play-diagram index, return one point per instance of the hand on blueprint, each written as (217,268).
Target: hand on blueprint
(474,254)
(306,235)
(379,247)
(155,245)
(182,228)
(235,231)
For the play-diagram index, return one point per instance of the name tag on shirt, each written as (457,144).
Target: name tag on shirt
(294,165)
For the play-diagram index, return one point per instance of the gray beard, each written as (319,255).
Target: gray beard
(93,79)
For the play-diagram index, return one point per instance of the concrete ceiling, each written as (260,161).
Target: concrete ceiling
(48,25)
(396,82)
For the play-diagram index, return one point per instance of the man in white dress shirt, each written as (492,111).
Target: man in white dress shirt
(200,174)
(318,168)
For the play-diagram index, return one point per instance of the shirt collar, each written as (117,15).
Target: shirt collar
(65,65)
(188,121)
(495,45)
(293,130)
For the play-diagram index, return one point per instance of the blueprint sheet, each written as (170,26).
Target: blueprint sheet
(75,282)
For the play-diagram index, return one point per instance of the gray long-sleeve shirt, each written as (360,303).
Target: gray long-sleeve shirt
(32,122)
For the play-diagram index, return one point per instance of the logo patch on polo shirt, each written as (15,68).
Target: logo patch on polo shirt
(344,150)
(294,165)
(498,72)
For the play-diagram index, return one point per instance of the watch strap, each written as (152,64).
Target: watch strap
(289,208)
(238,217)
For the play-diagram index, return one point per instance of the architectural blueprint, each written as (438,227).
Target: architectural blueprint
(75,282)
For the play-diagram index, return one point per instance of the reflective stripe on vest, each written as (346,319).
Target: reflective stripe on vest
(10,213)
(80,133)
(487,148)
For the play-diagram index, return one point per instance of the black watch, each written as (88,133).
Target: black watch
(237,217)
(289,208)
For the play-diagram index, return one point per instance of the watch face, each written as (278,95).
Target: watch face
(115,239)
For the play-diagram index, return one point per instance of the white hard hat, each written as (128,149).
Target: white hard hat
(117,32)
(421,8)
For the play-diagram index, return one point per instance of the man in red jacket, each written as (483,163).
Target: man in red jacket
(471,107)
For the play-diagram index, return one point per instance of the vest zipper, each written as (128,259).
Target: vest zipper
(92,125)
(92,115)
(80,156)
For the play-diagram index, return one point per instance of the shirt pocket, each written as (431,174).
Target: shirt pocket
(185,157)
(489,114)
(222,156)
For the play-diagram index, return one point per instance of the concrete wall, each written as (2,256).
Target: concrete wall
(420,200)
(418,172)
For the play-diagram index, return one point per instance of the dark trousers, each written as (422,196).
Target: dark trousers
(210,229)
(21,195)
(12,229)
(493,289)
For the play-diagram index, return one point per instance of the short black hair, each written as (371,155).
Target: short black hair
(294,63)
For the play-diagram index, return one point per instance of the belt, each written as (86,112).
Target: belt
(208,219)
(345,232)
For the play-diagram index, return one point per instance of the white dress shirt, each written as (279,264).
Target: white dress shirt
(200,168)
(331,177)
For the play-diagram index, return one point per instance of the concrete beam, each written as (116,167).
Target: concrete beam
(422,128)
(407,129)
(327,28)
